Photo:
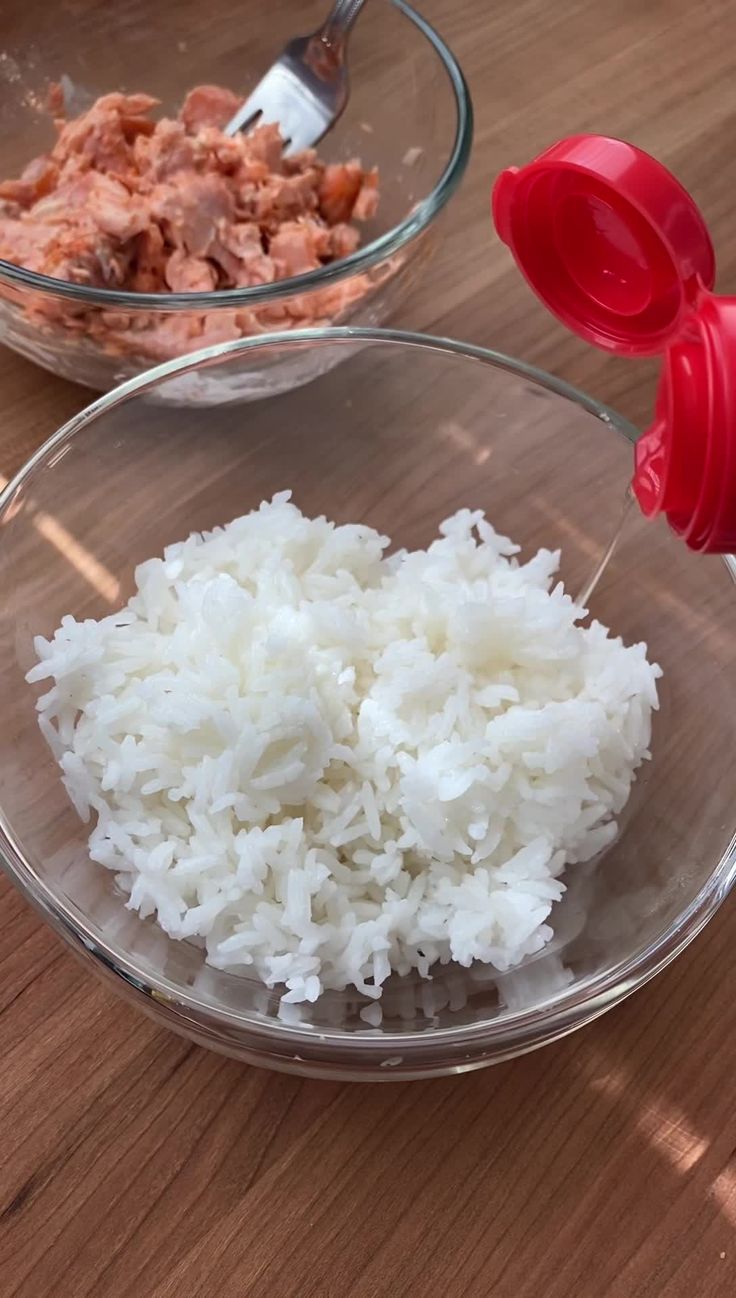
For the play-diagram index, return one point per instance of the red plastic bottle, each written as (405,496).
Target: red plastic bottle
(617,249)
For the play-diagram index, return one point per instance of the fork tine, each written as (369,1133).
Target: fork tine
(248,111)
(281,96)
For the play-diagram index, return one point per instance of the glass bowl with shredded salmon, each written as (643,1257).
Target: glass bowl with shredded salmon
(134,230)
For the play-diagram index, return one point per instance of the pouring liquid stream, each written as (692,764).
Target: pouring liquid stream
(592,581)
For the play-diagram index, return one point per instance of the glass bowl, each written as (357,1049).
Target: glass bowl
(409,113)
(405,431)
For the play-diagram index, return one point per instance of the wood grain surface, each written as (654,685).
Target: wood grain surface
(136,1166)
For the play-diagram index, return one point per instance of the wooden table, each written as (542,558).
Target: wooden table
(134,1164)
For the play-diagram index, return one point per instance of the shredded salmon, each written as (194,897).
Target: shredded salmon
(124,201)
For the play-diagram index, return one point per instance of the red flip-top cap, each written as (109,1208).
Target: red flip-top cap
(618,250)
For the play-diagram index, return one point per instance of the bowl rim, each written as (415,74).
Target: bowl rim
(547,1019)
(380,249)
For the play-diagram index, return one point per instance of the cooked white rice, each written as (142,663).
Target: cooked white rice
(329,763)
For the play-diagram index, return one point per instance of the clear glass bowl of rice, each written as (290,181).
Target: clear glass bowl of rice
(98,307)
(405,432)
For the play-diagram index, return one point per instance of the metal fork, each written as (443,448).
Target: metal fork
(306,89)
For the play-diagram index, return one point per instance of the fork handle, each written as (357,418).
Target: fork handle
(339,22)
